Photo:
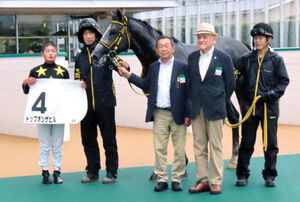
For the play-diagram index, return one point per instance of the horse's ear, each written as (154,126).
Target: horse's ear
(119,14)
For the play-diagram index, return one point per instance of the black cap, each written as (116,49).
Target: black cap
(262,29)
(88,23)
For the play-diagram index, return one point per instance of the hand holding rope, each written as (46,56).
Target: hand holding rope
(252,109)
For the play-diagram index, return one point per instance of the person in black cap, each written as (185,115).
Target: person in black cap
(101,106)
(264,74)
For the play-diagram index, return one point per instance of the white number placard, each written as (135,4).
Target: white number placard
(56,101)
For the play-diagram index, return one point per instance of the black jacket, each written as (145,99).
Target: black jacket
(211,92)
(178,90)
(100,88)
(272,82)
(47,71)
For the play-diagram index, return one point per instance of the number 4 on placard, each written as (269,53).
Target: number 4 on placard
(41,99)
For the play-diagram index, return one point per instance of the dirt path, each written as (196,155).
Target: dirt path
(19,156)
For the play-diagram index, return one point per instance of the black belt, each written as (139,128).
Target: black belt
(164,108)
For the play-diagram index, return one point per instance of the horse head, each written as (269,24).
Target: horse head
(115,39)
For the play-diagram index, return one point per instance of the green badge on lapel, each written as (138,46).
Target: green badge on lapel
(181,78)
(218,71)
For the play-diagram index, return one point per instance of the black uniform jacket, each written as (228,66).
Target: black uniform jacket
(100,88)
(211,92)
(47,71)
(273,80)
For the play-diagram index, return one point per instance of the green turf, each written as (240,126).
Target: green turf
(133,186)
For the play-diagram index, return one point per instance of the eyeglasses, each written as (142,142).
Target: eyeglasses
(260,31)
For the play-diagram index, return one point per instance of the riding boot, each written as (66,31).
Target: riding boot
(46,177)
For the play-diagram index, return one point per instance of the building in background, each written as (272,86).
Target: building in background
(232,18)
(26,24)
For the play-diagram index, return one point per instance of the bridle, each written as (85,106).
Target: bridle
(118,39)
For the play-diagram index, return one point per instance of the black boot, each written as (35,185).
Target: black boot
(57,178)
(46,177)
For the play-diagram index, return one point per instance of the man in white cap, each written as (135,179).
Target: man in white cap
(212,83)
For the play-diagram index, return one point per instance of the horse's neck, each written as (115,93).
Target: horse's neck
(143,43)
(146,55)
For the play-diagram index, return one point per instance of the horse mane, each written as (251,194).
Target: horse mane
(152,30)
(147,26)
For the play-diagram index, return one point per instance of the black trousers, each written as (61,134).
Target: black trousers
(246,148)
(105,119)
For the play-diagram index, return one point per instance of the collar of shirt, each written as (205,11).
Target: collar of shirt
(164,81)
(167,63)
(204,62)
(209,53)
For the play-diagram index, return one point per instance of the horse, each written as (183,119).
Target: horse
(126,33)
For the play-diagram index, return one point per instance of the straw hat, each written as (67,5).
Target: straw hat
(206,28)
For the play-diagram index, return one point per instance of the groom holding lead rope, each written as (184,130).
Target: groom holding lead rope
(264,80)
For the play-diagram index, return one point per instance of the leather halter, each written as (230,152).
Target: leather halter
(118,39)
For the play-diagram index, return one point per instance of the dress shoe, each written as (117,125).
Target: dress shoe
(57,178)
(241,182)
(161,186)
(89,178)
(269,182)
(176,186)
(46,177)
(109,178)
(215,189)
(153,177)
(199,187)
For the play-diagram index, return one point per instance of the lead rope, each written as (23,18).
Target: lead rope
(252,109)
(265,105)
(142,94)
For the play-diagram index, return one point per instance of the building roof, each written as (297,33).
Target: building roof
(80,6)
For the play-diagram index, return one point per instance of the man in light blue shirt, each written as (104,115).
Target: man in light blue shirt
(167,83)
(164,80)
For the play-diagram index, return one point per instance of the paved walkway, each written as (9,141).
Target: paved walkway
(133,186)
(19,156)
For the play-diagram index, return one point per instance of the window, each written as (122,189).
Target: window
(28,33)
(7,34)
(7,45)
(7,26)
(34,30)
(245,21)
